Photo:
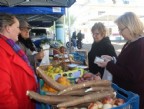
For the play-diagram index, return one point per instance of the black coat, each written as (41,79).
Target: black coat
(104,47)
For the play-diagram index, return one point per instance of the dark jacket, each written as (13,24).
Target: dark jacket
(80,36)
(74,35)
(128,72)
(104,47)
(28,47)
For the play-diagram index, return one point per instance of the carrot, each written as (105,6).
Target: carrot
(86,99)
(50,99)
(85,84)
(49,81)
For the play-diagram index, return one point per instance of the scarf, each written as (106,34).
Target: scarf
(16,48)
(19,51)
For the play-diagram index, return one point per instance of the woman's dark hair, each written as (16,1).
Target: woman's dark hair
(27,42)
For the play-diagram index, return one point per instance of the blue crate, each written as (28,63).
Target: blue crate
(79,57)
(131,99)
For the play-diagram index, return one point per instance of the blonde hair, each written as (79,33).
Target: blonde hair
(5,20)
(132,22)
(100,27)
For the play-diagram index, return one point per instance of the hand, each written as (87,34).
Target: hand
(102,64)
(40,55)
(106,57)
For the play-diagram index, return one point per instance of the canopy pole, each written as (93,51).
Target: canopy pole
(69,30)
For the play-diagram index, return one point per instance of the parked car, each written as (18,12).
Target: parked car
(39,36)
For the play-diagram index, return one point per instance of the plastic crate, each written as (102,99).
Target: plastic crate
(79,57)
(69,74)
(72,80)
(74,73)
(131,99)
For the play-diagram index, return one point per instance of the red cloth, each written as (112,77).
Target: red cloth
(16,77)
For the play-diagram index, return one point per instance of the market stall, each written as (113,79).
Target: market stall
(88,91)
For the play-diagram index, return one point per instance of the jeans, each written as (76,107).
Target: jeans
(74,42)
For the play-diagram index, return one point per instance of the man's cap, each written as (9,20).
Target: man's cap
(24,24)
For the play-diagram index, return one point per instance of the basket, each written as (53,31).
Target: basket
(132,99)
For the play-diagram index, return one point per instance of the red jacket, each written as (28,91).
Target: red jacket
(16,77)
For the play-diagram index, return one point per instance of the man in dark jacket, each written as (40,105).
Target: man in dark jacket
(80,36)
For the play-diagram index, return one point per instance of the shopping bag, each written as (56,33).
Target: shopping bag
(45,60)
(107,75)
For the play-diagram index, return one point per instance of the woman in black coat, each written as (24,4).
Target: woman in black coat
(101,46)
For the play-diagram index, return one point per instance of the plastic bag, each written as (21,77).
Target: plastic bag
(107,75)
(45,60)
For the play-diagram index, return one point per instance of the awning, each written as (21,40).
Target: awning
(38,12)
(37,16)
(51,3)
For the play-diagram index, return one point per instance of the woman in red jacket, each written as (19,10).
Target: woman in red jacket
(16,74)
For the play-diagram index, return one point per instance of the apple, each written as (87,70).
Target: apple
(107,100)
(107,106)
(118,101)
(93,106)
(100,105)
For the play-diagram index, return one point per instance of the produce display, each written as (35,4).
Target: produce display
(87,77)
(91,92)
(62,80)
(51,70)
(106,103)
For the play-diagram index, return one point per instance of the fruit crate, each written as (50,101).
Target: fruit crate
(75,73)
(69,74)
(131,99)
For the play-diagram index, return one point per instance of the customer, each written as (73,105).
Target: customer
(101,46)
(16,74)
(128,71)
(80,37)
(74,41)
(26,44)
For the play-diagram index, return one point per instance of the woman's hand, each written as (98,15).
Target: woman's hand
(102,64)
(106,59)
